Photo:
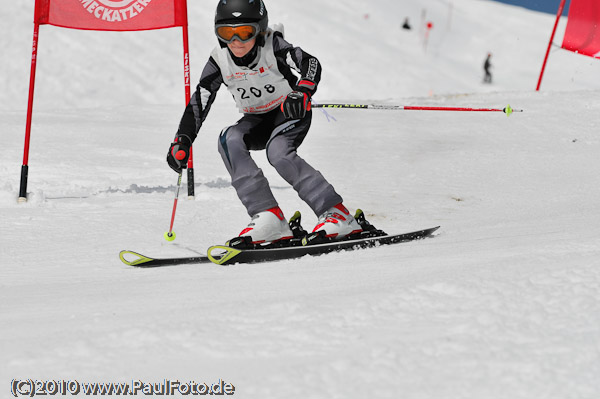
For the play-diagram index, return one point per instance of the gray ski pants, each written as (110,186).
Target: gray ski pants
(280,138)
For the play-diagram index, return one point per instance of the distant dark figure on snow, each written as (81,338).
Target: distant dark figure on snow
(406,25)
(487,65)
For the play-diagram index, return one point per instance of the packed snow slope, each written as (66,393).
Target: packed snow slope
(504,302)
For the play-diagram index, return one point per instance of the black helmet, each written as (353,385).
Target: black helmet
(240,11)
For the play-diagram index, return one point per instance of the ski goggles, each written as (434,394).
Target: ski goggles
(243,32)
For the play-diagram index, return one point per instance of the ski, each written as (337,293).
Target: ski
(226,255)
(241,249)
(131,258)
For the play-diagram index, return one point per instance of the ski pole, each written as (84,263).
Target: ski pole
(508,110)
(170,235)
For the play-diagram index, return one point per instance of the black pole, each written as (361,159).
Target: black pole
(190,182)
(23,189)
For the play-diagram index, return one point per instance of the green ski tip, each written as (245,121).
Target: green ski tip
(137,259)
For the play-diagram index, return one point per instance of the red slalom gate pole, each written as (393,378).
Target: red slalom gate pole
(25,167)
(508,110)
(186,71)
(558,14)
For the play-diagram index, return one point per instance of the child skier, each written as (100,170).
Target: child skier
(260,70)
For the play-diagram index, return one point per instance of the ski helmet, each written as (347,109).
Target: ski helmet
(240,11)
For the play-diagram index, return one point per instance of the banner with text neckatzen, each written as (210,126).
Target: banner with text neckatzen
(111,15)
(583,28)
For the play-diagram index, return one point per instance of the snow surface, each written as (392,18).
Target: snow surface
(503,303)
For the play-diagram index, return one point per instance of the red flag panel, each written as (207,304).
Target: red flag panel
(583,28)
(111,15)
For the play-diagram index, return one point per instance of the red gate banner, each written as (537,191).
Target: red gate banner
(111,15)
(583,28)
(106,15)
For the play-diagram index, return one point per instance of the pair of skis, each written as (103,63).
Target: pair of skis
(314,244)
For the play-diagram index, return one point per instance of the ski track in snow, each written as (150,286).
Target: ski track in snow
(504,301)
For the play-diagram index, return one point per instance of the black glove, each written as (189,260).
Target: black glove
(295,105)
(306,86)
(179,153)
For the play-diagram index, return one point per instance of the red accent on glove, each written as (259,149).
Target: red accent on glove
(307,83)
(180,155)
